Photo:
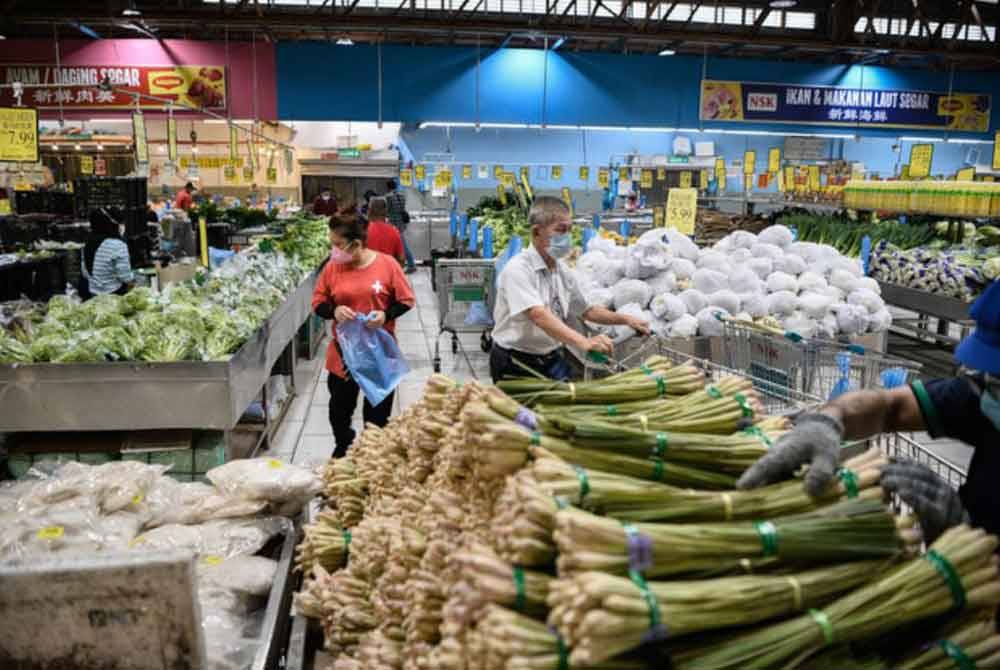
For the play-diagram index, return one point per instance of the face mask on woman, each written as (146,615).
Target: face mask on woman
(560,245)
(341,256)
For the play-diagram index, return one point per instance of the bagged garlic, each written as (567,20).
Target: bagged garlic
(630,291)
(781,281)
(668,307)
(778,235)
(726,299)
(694,300)
(685,326)
(265,479)
(710,321)
(781,303)
(682,268)
(709,281)
(252,575)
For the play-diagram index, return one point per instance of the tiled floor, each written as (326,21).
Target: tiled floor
(305,436)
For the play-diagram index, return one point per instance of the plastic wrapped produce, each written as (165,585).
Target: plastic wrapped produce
(851,319)
(867,299)
(807,250)
(739,256)
(221,537)
(665,282)
(591,261)
(66,527)
(117,530)
(607,247)
(800,323)
(872,285)
(252,575)
(684,327)
(781,303)
(694,300)
(778,235)
(763,267)
(782,281)
(709,281)
(811,281)
(682,245)
(852,265)
(741,239)
(828,328)
(879,321)
(630,291)
(660,327)
(844,280)
(710,321)
(114,486)
(604,297)
(622,333)
(725,299)
(791,264)
(837,294)
(754,304)
(265,479)
(170,501)
(713,260)
(744,280)
(647,259)
(611,273)
(814,305)
(760,250)
(682,268)
(668,307)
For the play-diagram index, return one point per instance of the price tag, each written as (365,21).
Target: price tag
(661,174)
(212,560)
(987,177)
(556,172)
(703,180)
(624,174)
(5,206)
(251,156)
(773,160)
(966,174)
(921,156)
(272,175)
(525,173)
(686,179)
(603,177)
(138,498)
(781,181)
(646,179)
(748,182)
(659,217)
(406,177)
(466,172)
(789,180)
(86,165)
(720,175)
(420,173)
(584,174)
(442,179)
(904,171)
(234,149)
(19,135)
(682,206)
(248,174)
(275,464)
(502,194)
(498,172)
(172,139)
(50,533)
(230,174)
(996,150)
(507,179)
(139,137)
(483,171)
(203,236)
(814,185)
(749,162)
(568,199)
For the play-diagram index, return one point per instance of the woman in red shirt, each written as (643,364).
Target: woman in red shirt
(383,236)
(357,280)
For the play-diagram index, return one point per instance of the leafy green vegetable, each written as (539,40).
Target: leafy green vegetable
(13,351)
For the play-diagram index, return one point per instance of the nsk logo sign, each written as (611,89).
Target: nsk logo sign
(762,102)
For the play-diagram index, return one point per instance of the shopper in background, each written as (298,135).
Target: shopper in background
(537,294)
(369,194)
(325,204)
(966,408)
(399,217)
(383,237)
(185,197)
(356,281)
(105,266)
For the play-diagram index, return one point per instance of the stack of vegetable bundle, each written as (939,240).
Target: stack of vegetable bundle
(846,235)
(960,272)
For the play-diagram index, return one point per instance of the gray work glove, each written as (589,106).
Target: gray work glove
(815,439)
(932,499)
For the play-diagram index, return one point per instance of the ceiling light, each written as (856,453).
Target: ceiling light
(667,52)
(782,4)
(55,147)
(100,147)
(960,140)
(345,42)
(110,121)
(162,149)
(194,150)
(78,147)
(131,10)
(921,139)
(3,37)
(882,51)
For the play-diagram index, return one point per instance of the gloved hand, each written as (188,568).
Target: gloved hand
(933,500)
(815,439)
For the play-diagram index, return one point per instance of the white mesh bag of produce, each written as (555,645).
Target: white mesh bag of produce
(828,326)
(791,264)
(668,307)
(713,260)
(811,282)
(851,319)
(744,280)
(591,261)
(682,268)
(800,323)
(221,537)
(660,328)
(755,304)
(844,280)
(170,501)
(778,235)
(807,250)
(682,245)
(117,530)
(879,321)
(814,305)
(604,297)
(741,239)
(606,247)
(113,485)
(710,321)
(67,527)
(872,285)
(782,281)
(611,273)
(739,256)
(694,300)
(837,294)
(252,575)
(761,250)
(630,291)
(781,303)
(762,267)
(725,299)
(265,479)
(665,282)
(685,326)
(648,257)
(866,298)
(709,281)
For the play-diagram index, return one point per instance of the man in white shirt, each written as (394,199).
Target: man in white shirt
(537,294)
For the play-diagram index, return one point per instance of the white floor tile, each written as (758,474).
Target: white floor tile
(286,439)
(318,421)
(300,405)
(314,450)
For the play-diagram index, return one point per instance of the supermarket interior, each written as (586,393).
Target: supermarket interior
(499,335)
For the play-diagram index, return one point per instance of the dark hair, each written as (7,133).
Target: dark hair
(350,226)
(103,226)
(391,184)
(369,194)
(378,208)
(189,186)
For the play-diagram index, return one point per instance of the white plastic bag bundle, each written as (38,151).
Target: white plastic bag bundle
(778,235)
(694,300)
(684,326)
(844,280)
(623,333)
(879,321)
(659,327)
(713,260)
(113,486)
(791,264)
(811,282)
(606,247)
(801,324)
(630,291)
(741,239)
(852,265)
(814,305)
(252,575)
(710,321)
(830,254)
(611,273)
(837,294)
(754,304)
(726,299)
(851,319)
(665,282)
(870,300)
(807,250)
(870,284)
(591,261)
(709,281)
(604,297)
(744,280)
(221,537)
(781,303)
(265,479)
(668,307)
(782,281)
(828,328)
(762,267)
(760,250)
(682,268)
(681,245)
(170,501)
(68,527)
(647,259)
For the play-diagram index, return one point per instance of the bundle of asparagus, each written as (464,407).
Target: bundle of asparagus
(854,530)
(600,615)
(656,378)
(971,642)
(324,543)
(959,571)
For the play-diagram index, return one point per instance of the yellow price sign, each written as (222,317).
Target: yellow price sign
(406,177)
(498,172)
(661,174)
(507,179)
(203,236)
(966,174)
(686,179)
(789,180)
(703,180)
(466,172)
(814,185)
(248,174)
(568,199)
(720,166)
(646,180)
(442,179)
(525,173)
(603,177)
(996,150)
(682,207)
(86,165)
(720,175)
(773,159)
(584,173)
(229,172)
(272,175)
(659,217)
(988,178)
(139,137)
(624,174)
(5,206)
(556,172)
(420,173)
(233,143)
(904,171)
(748,182)
(18,135)
(50,533)
(749,162)
(921,157)
(172,139)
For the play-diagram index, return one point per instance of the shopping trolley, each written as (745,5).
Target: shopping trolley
(824,368)
(466,295)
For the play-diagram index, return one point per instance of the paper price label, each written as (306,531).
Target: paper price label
(272,175)
(420,172)
(814,184)
(661,174)
(921,157)
(773,160)
(789,179)
(966,174)
(507,179)
(584,173)
(748,182)
(703,180)
(466,172)
(138,498)
(659,217)
(50,533)
(442,179)
(498,172)
(19,135)
(502,194)
(248,174)
(749,162)
(603,178)
(682,207)
(996,150)
(139,137)
(172,139)
(686,179)
(556,172)
(212,560)
(525,173)
(234,149)
(406,177)
(86,165)
(5,205)
(904,171)
(568,199)
(624,174)
(275,464)
(646,179)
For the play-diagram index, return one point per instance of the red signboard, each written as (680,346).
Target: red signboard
(87,87)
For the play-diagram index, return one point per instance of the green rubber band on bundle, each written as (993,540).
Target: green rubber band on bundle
(612,410)
(849,480)
(645,369)
(823,621)
(561,502)
(563,653)
(768,537)
(661,445)
(347,543)
(761,435)
(658,469)
(661,387)
(519,599)
(655,620)
(744,405)
(951,578)
(581,474)
(536,439)
(958,655)
(713,392)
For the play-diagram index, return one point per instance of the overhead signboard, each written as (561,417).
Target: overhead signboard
(740,101)
(805,148)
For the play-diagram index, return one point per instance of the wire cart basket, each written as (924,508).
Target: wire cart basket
(466,295)
(823,368)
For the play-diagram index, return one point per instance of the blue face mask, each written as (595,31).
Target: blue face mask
(560,245)
(989,404)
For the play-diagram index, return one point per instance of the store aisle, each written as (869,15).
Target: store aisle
(305,437)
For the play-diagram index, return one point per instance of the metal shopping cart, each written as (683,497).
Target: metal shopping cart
(823,368)
(466,295)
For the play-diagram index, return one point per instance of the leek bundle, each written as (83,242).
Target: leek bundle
(958,571)
(971,642)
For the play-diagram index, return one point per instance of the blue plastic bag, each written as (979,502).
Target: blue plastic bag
(372,357)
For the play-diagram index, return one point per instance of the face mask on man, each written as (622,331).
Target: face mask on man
(560,245)
(326,196)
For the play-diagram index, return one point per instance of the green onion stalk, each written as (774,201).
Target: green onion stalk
(959,571)
(855,530)
(601,615)
(971,642)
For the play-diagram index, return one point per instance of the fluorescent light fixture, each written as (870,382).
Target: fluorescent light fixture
(882,52)
(131,10)
(55,147)
(345,42)
(194,150)
(832,136)
(602,128)
(921,139)
(667,52)
(3,37)
(647,129)
(161,149)
(689,130)
(960,140)
(782,4)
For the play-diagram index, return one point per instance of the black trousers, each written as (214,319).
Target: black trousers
(343,402)
(503,366)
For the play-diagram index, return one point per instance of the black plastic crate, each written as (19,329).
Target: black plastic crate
(124,193)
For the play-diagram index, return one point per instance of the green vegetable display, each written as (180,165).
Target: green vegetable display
(960,272)
(846,236)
